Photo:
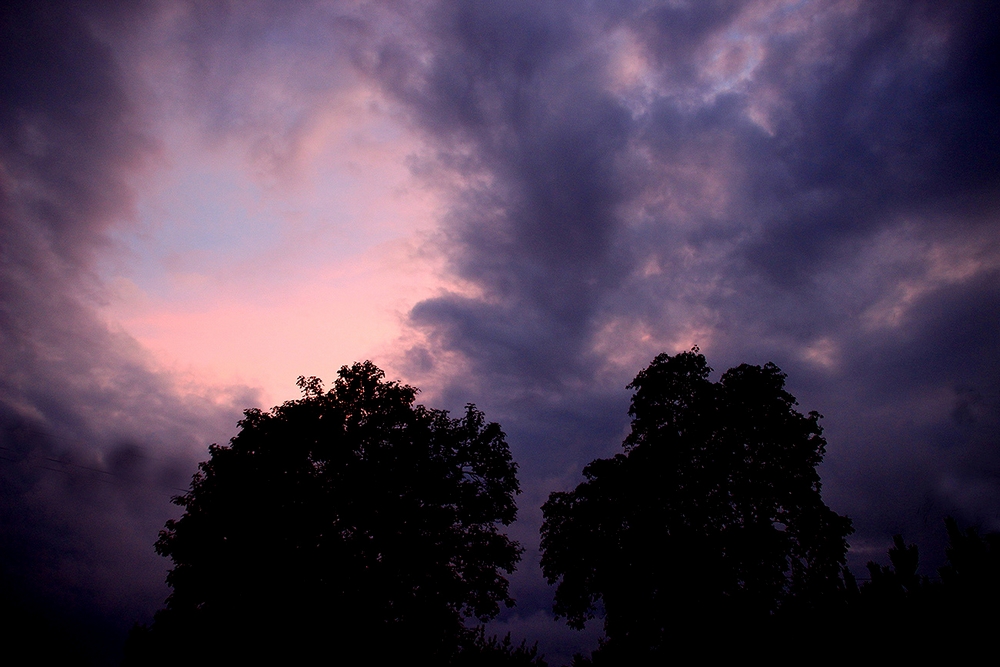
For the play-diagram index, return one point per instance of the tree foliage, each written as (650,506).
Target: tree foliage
(351,519)
(712,514)
(913,615)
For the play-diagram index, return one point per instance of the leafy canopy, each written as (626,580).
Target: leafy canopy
(713,511)
(350,514)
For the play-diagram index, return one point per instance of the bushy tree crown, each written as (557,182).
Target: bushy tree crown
(347,518)
(712,513)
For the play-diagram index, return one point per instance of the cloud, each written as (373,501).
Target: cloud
(810,183)
(516,111)
(93,441)
(813,184)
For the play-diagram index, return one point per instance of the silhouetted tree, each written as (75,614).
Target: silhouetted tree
(972,575)
(478,650)
(711,518)
(349,524)
(896,611)
(901,613)
(895,583)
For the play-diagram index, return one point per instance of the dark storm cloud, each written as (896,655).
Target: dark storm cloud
(895,125)
(893,143)
(834,210)
(93,443)
(508,96)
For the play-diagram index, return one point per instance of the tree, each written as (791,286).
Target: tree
(971,578)
(350,522)
(712,516)
(909,616)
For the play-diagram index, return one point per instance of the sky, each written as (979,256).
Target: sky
(514,204)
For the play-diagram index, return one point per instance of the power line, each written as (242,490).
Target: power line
(39,464)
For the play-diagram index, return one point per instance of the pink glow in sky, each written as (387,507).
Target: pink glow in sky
(251,273)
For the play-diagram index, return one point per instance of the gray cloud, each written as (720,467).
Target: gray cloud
(833,211)
(508,95)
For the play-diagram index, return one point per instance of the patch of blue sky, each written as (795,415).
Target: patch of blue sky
(217,222)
